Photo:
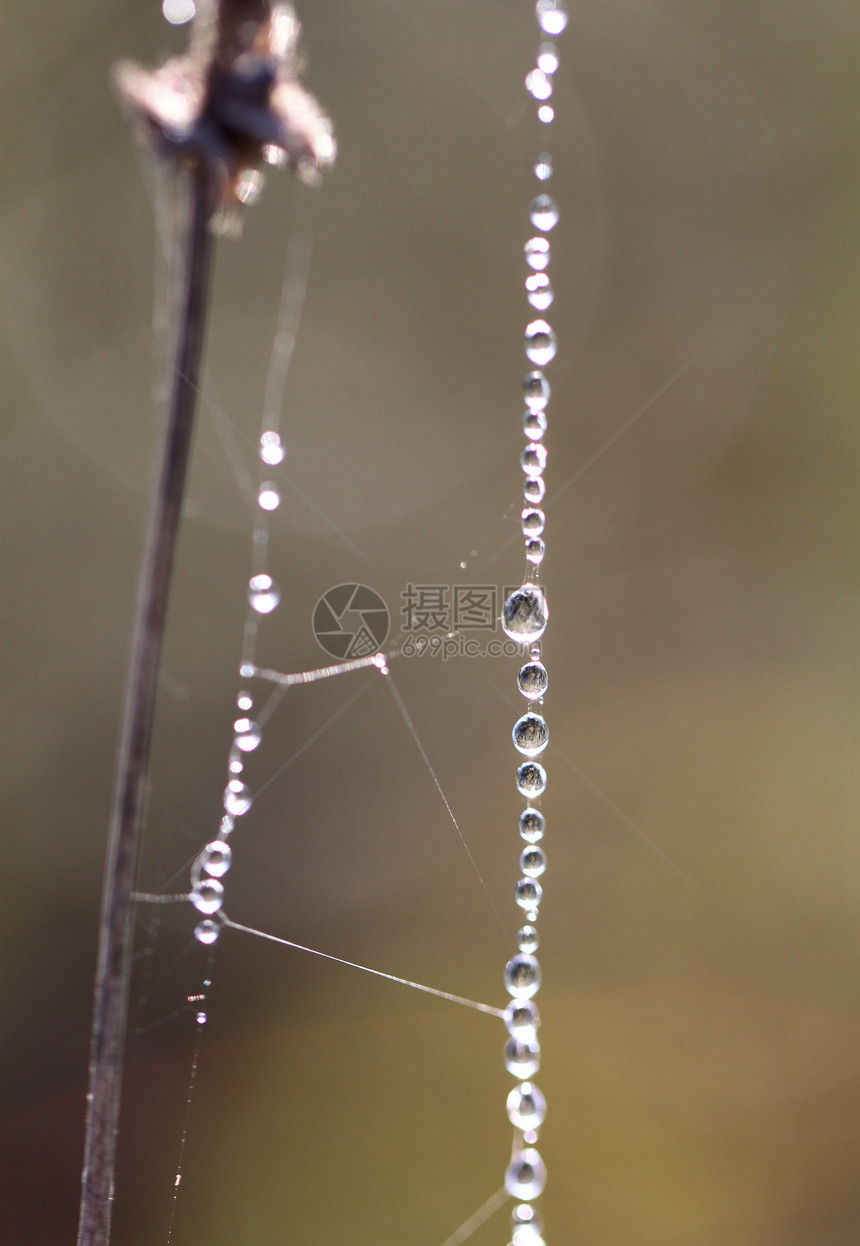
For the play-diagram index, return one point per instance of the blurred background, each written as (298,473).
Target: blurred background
(700,921)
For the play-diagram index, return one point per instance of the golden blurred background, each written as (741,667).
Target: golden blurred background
(700,922)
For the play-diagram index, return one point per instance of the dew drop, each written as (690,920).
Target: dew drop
(537,253)
(534,489)
(547,58)
(526,1176)
(269,498)
(526,1107)
(244,701)
(531,779)
(525,1235)
(530,734)
(543,213)
(248,734)
(525,614)
(536,391)
(237,798)
(522,977)
(551,15)
(249,187)
(546,113)
(227,825)
(527,940)
(543,165)
(522,1058)
(532,825)
(525,1214)
(216,858)
(539,291)
(271,449)
(533,680)
(528,895)
(533,520)
(533,459)
(522,1019)
(538,84)
(207,895)
(235,764)
(534,425)
(207,931)
(463,565)
(201,1018)
(178,12)
(263,593)
(532,862)
(535,550)
(541,342)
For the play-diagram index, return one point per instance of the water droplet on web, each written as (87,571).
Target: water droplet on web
(534,489)
(178,12)
(216,858)
(543,167)
(535,550)
(269,498)
(522,1019)
(533,680)
(201,1018)
(525,1214)
(526,1107)
(207,931)
(546,113)
(547,58)
(525,1235)
(525,614)
(522,977)
(271,449)
(543,213)
(534,521)
(207,895)
(463,565)
(541,343)
(250,186)
(244,701)
(539,291)
(537,253)
(248,734)
(532,862)
(531,779)
(534,424)
(536,391)
(522,1059)
(551,15)
(527,941)
(531,734)
(237,798)
(538,84)
(532,823)
(528,895)
(263,593)
(235,762)
(533,459)
(526,1176)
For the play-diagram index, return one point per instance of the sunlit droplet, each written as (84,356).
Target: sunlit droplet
(263,593)
(531,779)
(536,391)
(535,550)
(534,424)
(533,520)
(543,167)
(537,253)
(522,1059)
(528,941)
(216,858)
(541,342)
(522,1019)
(531,734)
(249,186)
(525,614)
(526,1107)
(178,12)
(533,680)
(237,798)
(532,862)
(522,976)
(526,1176)
(207,895)
(528,894)
(547,58)
(248,734)
(271,449)
(546,113)
(539,291)
(551,16)
(533,459)
(538,84)
(269,498)
(201,1018)
(532,825)
(543,213)
(207,931)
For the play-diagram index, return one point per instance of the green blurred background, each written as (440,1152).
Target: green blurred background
(700,1038)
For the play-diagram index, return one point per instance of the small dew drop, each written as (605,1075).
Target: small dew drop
(526,1107)
(522,1019)
(271,449)
(528,895)
(533,862)
(522,977)
(522,1058)
(532,824)
(463,565)
(546,113)
(534,489)
(244,701)
(552,16)
(207,931)
(525,1214)
(201,1018)
(533,680)
(248,734)
(537,253)
(533,459)
(269,498)
(533,520)
(247,670)
(539,291)
(249,187)
(528,941)
(534,424)
(547,58)
(543,213)
(535,550)
(263,593)
(541,342)
(235,764)
(237,798)
(543,166)
(525,614)
(216,858)
(536,391)
(207,895)
(538,84)
(531,779)
(531,734)
(526,1176)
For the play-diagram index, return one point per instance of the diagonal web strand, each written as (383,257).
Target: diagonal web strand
(477,1218)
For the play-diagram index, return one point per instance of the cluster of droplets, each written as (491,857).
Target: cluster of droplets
(524,620)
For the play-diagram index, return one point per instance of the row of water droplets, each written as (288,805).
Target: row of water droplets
(524,620)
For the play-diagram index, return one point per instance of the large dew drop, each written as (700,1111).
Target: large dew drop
(533,520)
(537,253)
(237,798)
(207,895)
(551,15)
(547,58)
(526,1176)
(530,734)
(532,825)
(525,614)
(248,734)
(536,391)
(535,550)
(207,931)
(268,497)
(541,344)
(528,894)
(538,84)
(533,680)
(522,1058)
(532,862)
(543,213)
(271,449)
(522,977)
(531,779)
(534,489)
(216,858)
(533,459)
(263,593)
(522,1019)
(526,1106)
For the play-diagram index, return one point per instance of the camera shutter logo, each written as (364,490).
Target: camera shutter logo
(351,621)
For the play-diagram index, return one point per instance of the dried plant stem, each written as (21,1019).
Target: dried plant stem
(129,798)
